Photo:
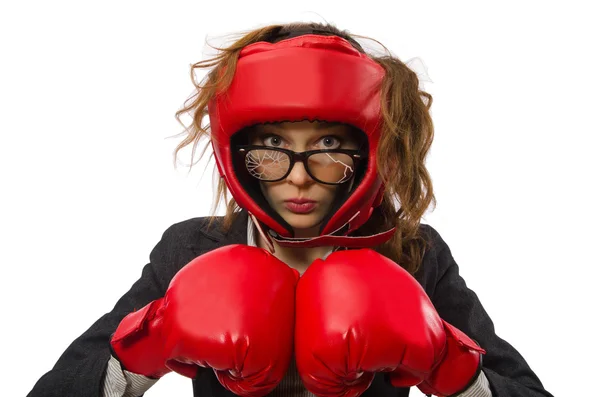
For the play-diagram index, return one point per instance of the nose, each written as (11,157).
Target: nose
(298,175)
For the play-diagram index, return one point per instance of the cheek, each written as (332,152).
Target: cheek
(269,190)
(264,189)
(331,192)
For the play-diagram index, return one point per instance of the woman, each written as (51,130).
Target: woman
(320,279)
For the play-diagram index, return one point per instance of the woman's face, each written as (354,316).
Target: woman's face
(299,137)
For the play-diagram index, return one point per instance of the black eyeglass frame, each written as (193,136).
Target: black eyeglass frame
(294,157)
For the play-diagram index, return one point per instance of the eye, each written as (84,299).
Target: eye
(272,140)
(331,142)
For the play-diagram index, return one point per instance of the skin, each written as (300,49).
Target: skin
(299,137)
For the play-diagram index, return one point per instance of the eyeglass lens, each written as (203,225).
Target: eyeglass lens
(271,165)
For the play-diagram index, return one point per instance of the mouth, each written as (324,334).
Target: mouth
(300,201)
(300,206)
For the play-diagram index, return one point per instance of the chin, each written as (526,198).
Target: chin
(303,221)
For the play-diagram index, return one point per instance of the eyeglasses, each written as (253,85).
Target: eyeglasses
(328,166)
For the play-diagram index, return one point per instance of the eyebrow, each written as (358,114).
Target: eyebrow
(319,127)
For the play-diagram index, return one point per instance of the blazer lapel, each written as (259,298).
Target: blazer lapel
(214,237)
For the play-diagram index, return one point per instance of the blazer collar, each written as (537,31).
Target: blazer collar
(237,233)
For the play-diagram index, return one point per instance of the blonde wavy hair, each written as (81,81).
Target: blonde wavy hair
(406,137)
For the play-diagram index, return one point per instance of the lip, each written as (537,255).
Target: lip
(299,201)
(304,207)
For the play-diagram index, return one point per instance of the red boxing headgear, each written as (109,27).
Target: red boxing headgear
(309,77)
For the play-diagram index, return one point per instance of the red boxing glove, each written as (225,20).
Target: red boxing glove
(358,313)
(231,309)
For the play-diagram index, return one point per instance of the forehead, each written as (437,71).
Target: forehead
(291,128)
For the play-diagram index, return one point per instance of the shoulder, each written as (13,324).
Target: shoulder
(435,244)
(437,258)
(193,233)
(185,240)
(199,226)
(206,231)
(430,234)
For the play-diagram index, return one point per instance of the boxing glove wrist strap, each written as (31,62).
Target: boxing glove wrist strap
(134,338)
(459,367)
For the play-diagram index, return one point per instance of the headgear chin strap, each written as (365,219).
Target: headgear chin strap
(309,77)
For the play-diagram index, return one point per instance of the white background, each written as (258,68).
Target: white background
(88,93)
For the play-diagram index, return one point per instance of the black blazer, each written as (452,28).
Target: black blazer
(80,369)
